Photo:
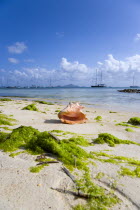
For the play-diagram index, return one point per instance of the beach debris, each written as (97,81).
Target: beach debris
(78,194)
(72,114)
(66,171)
(47,162)
(54,136)
(43,156)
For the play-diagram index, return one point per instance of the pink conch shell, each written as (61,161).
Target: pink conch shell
(72,114)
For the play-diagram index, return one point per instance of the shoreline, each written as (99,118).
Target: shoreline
(104,107)
(19,184)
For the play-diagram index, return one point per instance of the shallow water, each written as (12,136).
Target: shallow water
(107,98)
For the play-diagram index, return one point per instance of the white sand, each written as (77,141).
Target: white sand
(21,189)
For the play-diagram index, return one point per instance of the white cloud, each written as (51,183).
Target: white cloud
(115,72)
(17,48)
(19,73)
(75,66)
(120,72)
(128,64)
(137,37)
(13,60)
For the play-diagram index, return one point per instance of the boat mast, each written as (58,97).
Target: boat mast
(101,76)
(96,76)
(133,80)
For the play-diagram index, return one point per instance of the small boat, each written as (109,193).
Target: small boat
(134,86)
(98,85)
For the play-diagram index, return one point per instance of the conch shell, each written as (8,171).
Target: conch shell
(72,114)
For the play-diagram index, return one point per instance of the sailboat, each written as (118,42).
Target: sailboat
(98,85)
(134,86)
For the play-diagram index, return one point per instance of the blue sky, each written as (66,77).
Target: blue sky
(64,41)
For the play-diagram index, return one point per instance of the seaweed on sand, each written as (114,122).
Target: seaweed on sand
(111,140)
(5,99)
(5,120)
(98,118)
(134,121)
(44,102)
(31,107)
(17,138)
(68,151)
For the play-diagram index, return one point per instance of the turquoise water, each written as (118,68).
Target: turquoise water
(107,98)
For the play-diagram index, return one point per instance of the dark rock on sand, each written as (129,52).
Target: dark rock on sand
(130,90)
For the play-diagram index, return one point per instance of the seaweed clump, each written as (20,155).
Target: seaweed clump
(98,199)
(31,107)
(111,140)
(5,120)
(98,118)
(18,138)
(70,153)
(126,125)
(115,159)
(5,99)
(127,172)
(134,121)
(66,151)
(44,102)
(129,130)
(36,169)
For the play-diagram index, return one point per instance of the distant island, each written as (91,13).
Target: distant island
(69,86)
(34,86)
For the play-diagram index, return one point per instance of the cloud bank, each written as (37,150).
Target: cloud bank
(115,72)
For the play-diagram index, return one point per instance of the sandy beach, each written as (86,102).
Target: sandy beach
(21,189)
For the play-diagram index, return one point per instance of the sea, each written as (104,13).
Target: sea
(104,98)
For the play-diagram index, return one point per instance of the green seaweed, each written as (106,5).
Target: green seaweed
(68,151)
(134,121)
(129,130)
(98,199)
(37,169)
(18,138)
(127,125)
(98,118)
(3,137)
(5,99)
(112,112)
(15,154)
(79,140)
(44,102)
(6,128)
(31,107)
(58,110)
(5,120)
(57,131)
(115,159)
(111,140)
(127,172)
(100,175)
